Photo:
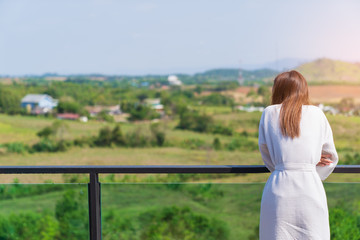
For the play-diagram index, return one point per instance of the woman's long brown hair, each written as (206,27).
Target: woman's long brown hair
(291,90)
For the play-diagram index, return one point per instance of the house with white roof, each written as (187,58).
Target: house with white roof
(174,80)
(38,103)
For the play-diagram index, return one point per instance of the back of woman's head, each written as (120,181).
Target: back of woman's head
(290,89)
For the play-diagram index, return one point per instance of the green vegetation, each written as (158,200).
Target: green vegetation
(161,211)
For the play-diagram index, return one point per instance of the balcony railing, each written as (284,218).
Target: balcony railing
(94,194)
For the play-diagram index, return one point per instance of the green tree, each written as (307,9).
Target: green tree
(117,136)
(142,96)
(70,107)
(158,133)
(264,92)
(9,101)
(103,115)
(57,130)
(46,132)
(104,138)
(142,112)
(217,144)
(181,223)
(198,89)
(193,120)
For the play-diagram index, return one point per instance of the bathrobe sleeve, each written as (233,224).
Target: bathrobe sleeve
(263,146)
(328,147)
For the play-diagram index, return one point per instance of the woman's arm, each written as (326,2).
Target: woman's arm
(324,160)
(328,149)
(263,146)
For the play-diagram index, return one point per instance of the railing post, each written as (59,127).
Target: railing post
(94,207)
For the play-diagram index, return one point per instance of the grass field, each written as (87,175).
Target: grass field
(23,128)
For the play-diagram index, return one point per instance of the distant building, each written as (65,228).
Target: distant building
(174,81)
(111,110)
(328,109)
(38,103)
(155,104)
(83,119)
(250,108)
(144,84)
(68,116)
(240,78)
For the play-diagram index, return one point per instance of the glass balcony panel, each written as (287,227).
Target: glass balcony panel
(206,210)
(44,211)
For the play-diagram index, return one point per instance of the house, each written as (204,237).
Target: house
(111,110)
(68,116)
(250,108)
(155,104)
(174,80)
(328,109)
(38,103)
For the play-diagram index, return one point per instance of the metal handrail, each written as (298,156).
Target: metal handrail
(151,169)
(94,190)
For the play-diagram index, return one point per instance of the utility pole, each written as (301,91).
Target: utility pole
(240,77)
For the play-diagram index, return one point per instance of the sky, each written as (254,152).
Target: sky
(136,37)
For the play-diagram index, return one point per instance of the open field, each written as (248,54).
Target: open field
(24,128)
(122,156)
(334,93)
(21,128)
(143,156)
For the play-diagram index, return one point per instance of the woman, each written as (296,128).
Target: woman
(293,136)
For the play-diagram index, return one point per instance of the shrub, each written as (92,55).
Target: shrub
(46,132)
(244,133)
(104,138)
(217,99)
(193,143)
(241,143)
(63,145)
(352,160)
(137,138)
(181,223)
(72,216)
(45,145)
(29,226)
(84,141)
(217,144)
(103,115)
(158,134)
(56,130)
(221,129)
(142,112)
(192,120)
(69,107)
(203,192)
(344,224)
(117,137)
(16,147)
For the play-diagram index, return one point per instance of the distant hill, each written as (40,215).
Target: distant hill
(326,70)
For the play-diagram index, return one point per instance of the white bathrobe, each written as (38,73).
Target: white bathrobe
(293,204)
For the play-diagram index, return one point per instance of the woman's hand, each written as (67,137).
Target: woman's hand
(324,160)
